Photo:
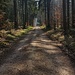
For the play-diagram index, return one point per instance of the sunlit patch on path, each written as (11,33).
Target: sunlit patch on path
(37,55)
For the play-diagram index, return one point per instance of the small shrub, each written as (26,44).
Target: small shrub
(10,37)
(3,44)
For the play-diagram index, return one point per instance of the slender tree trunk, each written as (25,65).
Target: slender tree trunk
(68,14)
(15,15)
(45,10)
(25,13)
(48,15)
(54,16)
(64,17)
(73,13)
(65,20)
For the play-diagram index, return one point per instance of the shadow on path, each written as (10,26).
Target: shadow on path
(37,55)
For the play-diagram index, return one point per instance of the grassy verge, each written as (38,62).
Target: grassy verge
(55,35)
(7,37)
(69,42)
(43,26)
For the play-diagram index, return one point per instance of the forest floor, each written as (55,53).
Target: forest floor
(36,54)
(10,37)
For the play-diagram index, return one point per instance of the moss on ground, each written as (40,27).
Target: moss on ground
(7,36)
(58,35)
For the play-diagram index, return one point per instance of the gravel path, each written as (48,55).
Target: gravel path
(37,55)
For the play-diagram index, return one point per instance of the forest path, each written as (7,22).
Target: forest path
(35,54)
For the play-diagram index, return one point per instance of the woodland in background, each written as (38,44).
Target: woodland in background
(16,13)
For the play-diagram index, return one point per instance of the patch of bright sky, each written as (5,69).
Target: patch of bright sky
(36,0)
(37,3)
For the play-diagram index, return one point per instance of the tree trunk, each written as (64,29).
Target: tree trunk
(15,15)
(25,13)
(68,14)
(45,10)
(73,13)
(64,17)
(48,15)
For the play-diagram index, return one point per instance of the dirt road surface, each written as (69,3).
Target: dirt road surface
(35,54)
